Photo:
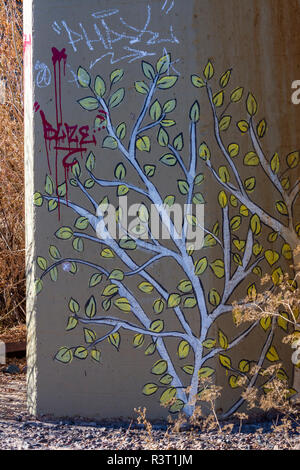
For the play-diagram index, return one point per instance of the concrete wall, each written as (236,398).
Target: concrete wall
(131,321)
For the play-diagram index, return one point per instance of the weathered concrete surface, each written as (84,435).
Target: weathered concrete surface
(258,41)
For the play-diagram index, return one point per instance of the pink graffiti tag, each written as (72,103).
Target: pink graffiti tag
(65,139)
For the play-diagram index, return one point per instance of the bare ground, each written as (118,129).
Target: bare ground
(19,431)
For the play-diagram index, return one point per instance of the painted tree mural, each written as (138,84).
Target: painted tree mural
(235,250)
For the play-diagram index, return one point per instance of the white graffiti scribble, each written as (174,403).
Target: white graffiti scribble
(43,77)
(167,6)
(105,36)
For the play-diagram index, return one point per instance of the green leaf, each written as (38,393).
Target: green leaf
(149,170)
(116,275)
(224,80)
(188,369)
(205,372)
(233,150)
(265,323)
(275,164)
(42,262)
(201,266)
(127,243)
(81,353)
(150,389)
(218,268)
(209,71)
(204,151)
(89,183)
(222,198)
(195,112)
(209,343)
(89,336)
(100,87)
(82,223)
(158,306)
(166,379)
(243,126)
(122,190)
(163,64)
(84,78)
(163,137)
(183,187)
(53,274)
(95,355)
(91,307)
(224,174)
(198,82)
(178,142)
(78,245)
(261,128)
(90,162)
(120,171)
(143,144)
(272,257)
(168,123)
(64,355)
(123,304)
(277,276)
(255,224)
(174,300)
(148,70)
(76,170)
(64,233)
(168,395)
(218,99)
(167,82)
(38,199)
(251,159)
(225,361)
(38,286)
(282,208)
(155,111)
(272,355)
(89,103)
(95,279)
(198,198)
(169,106)
(235,223)
(146,287)
(116,98)
(190,302)
(49,186)
(223,340)
(237,95)
(116,76)
(160,367)
(177,406)
(168,159)
(138,340)
(225,123)
(251,105)
(114,339)
(110,143)
(142,88)
(185,286)
(72,323)
(157,326)
(214,297)
(293,160)
(250,184)
(169,201)
(121,131)
(74,306)
(183,349)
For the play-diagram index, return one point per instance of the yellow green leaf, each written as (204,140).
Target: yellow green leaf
(272,354)
(251,105)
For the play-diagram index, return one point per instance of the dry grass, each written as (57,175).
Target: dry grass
(12,282)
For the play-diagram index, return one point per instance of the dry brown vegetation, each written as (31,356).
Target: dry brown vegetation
(12,282)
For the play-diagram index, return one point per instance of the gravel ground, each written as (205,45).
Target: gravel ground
(19,431)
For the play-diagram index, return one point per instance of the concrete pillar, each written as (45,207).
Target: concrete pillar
(154,103)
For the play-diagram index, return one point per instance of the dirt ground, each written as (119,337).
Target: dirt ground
(19,431)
